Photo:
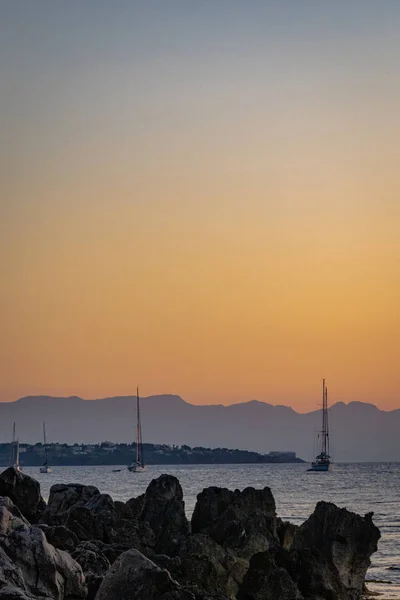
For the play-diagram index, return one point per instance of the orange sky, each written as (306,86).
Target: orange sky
(216,218)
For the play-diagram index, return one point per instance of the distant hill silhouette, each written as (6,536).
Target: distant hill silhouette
(361,432)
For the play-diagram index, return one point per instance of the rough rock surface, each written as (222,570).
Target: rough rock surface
(210,567)
(63,497)
(135,577)
(163,509)
(243,521)
(269,578)
(335,545)
(24,491)
(94,565)
(238,548)
(31,565)
(60,537)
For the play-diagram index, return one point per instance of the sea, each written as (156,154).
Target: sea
(360,487)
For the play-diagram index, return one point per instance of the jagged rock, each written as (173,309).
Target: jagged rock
(10,516)
(60,537)
(286,533)
(208,566)
(135,577)
(124,511)
(94,566)
(100,519)
(24,491)
(163,508)
(268,579)
(63,497)
(9,592)
(135,505)
(244,521)
(211,503)
(30,564)
(334,547)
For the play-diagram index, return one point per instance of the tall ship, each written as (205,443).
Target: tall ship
(138,465)
(323,460)
(45,467)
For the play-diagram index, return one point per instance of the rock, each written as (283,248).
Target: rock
(94,566)
(9,592)
(211,503)
(333,549)
(60,537)
(163,508)
(30,564)
(244,521)
(135,577)
(82,523)
(267,579)
(63,497)
(286,533)
(209,567)
(10,516)
(100,519)
(24,491)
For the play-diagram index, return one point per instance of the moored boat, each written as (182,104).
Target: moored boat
(323,460)
(138,465)
(45,467)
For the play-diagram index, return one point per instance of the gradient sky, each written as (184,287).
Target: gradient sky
(202,198)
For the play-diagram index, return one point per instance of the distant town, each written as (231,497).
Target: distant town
(108,453)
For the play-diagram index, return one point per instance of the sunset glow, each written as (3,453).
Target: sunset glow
(202,199)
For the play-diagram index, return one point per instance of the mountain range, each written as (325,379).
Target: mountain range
(359,431)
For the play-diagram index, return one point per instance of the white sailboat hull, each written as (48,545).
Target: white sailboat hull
(137,468)
(45,469)
(319,467)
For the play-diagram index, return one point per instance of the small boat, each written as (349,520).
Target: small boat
(45,467)
(116,470)
(323,460)
(14,458)
(138,465)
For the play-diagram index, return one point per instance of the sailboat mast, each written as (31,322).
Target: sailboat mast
(325,439)
(12,453)
(326,422)
(17,455)
(44,442)
(137,425)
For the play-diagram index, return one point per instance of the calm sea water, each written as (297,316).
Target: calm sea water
(361,487)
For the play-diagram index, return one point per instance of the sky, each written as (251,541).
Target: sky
(201,198)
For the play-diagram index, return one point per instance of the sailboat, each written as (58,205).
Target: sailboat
(14,458)
(45,467)
(322,461)
(138,465)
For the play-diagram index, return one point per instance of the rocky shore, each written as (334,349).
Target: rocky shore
(83,545)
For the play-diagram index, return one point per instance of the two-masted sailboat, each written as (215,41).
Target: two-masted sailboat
(138,465)
(14,455)
(45,467)
(323,460)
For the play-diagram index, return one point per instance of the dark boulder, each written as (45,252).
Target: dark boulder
(24,491)
(101,519)
(94,565)
(9,592)
(334,547)
(269,579)
(135,577)
(60,537)
(163,509)
(63,497)
(243,521)
(28,563)
(209,567)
